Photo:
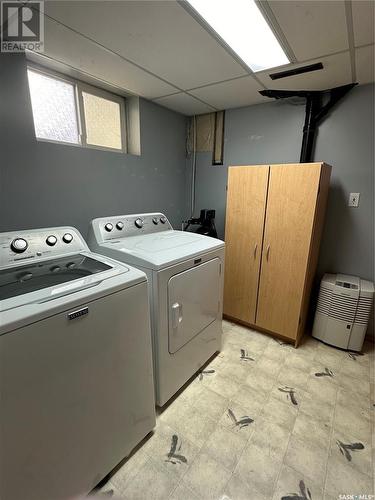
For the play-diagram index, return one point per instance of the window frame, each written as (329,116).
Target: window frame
(79,87)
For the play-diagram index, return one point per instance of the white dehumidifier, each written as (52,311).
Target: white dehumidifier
(343,310)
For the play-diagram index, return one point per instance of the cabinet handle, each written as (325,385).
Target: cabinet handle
(255,250)
(268,252)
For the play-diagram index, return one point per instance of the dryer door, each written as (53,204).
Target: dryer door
(193,302)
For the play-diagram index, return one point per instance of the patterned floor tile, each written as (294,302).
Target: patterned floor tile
(312,430)
(238,489)
(238,420)
(152,481)
(354,385)
(307,458)
(182,492)
(189,422)
(355,421)
(292,484)
(250,399)
(292,377)
(317,409)
(171,449)
(235,433)
(236,369)
(211,403)
(289,395)
(322,389)
(345,480)
(129,470)
(206,477)
(271,437)
(280,413)
(352,451)
(355,369)
(260,381)
(225,447)
(258,469)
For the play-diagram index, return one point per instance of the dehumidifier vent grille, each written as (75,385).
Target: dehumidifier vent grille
(343,308)
(363,310)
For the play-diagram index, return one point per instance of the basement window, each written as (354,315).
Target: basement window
(71,112)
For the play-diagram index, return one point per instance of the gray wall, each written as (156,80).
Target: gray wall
(44,184)
(271,133)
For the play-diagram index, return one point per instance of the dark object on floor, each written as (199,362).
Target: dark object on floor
(318,104)
(345,449)
(291,394)
(327,373)
(173,456)
(304,494)
(205,223)
(243,421)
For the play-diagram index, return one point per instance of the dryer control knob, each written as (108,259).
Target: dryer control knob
(138,223)
(108,227)
(51,240)
(163,219)
(67,238)
(120,226)
(19,245)
(155,220)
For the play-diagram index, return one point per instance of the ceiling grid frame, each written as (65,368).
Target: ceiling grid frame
(271,18)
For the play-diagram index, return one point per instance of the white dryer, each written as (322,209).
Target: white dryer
(76,381)
(185,273)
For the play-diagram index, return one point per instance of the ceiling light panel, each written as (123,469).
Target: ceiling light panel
(242,26)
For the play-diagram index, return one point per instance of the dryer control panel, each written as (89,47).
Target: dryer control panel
(122,226)
(36,244)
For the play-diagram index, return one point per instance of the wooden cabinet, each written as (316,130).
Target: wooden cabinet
(246,201)
(273,228)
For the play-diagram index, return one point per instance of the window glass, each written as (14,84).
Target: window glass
(54,108)
(103,121)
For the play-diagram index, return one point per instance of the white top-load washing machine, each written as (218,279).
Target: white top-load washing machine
(76,381)
(185,273)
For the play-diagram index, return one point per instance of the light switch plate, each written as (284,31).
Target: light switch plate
(353,200)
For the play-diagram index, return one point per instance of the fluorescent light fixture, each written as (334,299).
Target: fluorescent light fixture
(242,26)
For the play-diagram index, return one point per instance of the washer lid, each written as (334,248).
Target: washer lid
(162,249)
(36,276)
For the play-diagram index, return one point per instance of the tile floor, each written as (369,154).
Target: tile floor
(262,421)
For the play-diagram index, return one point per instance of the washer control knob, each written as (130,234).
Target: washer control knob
(19,245)
(51,240)
(155,220)
(55,269)
(163,219)
(67,238)
(108,227)
(138,223)
(120,226)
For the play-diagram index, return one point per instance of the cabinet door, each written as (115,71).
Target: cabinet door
(246,202)
(291,203)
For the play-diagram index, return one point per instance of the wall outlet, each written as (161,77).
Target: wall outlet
(353,200)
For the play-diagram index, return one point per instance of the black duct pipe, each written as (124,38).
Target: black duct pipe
(318,104)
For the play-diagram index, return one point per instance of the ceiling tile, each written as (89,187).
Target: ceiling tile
(336,71)
(65,46)
(313,28)
(185,104)
(363,21)
(231,94)
(158,35)
(364,59)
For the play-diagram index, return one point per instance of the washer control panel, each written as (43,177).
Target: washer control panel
(34,244)
(121,226)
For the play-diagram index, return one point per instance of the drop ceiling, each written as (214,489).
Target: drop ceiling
(161,51)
